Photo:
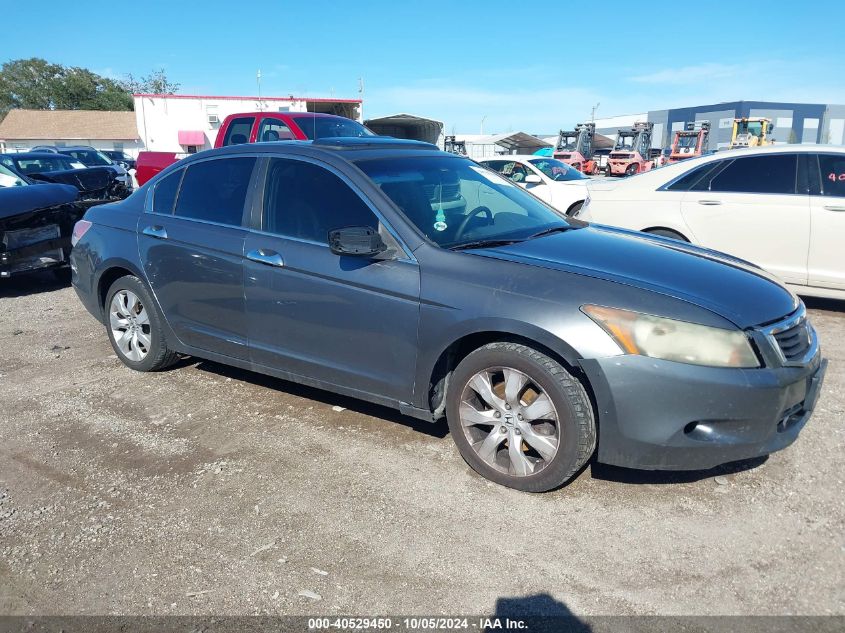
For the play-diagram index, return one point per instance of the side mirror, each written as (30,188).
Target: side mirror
(533,179)
(357,241)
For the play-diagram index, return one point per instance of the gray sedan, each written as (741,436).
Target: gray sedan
(345,264)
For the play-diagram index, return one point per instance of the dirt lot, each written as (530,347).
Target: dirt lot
(206,489)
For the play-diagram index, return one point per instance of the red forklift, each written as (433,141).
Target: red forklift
(632,151)
(690,142)
(575,148)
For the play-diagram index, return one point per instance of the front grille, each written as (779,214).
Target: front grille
(795,341)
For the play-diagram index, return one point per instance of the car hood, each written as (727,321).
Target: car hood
(18,200)
(730,287)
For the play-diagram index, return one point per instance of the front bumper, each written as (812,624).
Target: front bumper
(662,415)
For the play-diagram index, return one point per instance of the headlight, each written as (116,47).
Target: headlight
(679,341)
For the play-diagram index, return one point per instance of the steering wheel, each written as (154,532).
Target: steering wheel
(459,233)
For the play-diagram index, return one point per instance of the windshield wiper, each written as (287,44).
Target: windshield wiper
(549,231)
(484,244)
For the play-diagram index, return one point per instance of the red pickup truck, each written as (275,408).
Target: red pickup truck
(254,127)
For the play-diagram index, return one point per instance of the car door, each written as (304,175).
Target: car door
(826,263)
(191,245)
(343,320)
(749,207)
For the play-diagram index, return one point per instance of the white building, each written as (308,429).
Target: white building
(186,123)
(22,130)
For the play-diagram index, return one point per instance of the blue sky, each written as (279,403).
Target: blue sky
(524,66)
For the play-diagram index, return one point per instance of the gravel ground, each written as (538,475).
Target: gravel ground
(207,489)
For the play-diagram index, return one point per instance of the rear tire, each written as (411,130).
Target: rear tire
(519,418)
(667,233)
(134,326)
(632,170)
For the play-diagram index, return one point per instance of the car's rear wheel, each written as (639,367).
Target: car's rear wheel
(519,418)
(574,209)
(134,326)
(632,169)
(667,233)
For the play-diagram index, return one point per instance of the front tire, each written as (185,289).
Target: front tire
(134,326)
(519,418)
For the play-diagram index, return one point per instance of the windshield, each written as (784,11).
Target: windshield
(754,128)
(687,141)
(625,142)
(42,164)
(325,127)
(568,144)
(485,206)
(8,178)
(557,170)
(89,157)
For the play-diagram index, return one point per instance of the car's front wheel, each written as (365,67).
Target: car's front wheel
(134,326)
(519,418)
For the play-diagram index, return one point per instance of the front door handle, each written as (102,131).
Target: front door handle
(710,203)
(156,231)
(834,208)
(266,256)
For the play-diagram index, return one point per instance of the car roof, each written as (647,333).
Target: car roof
(33,155)
(518,157)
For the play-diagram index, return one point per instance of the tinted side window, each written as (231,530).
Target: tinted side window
(758,174)
(688,181)
(215,190)
(238,131)
(833,174)
(165,192)
(273,130)
(306,201)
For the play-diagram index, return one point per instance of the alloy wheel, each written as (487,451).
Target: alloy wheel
(510,421)
(130,325)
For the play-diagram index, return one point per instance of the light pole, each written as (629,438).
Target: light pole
(593,114)
(258,79)
(483,119)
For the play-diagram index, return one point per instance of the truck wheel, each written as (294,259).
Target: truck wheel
(519,418)
(133,323)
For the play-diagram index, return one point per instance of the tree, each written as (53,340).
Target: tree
(154,83)
(28,83)
(37,84)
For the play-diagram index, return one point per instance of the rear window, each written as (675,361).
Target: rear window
(238,131)
(165,192)
(328,127)
(215,190)
(688,181)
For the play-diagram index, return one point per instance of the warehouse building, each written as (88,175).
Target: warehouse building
(189,123)
(793,122)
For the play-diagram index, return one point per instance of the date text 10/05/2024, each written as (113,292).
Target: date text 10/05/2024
(418,623)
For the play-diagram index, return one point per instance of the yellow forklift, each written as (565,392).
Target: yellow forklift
(751,132)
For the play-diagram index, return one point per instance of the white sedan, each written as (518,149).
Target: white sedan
(781,207)
(554,182)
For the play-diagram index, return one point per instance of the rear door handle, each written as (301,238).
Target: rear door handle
(834,208)
(266,256)
(710,203)
(158,232)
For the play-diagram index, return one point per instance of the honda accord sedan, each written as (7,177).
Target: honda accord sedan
(543,340)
